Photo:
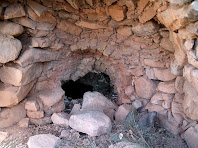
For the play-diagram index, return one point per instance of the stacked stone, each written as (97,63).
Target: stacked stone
(63,40)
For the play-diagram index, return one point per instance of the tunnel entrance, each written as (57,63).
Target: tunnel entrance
(92,81)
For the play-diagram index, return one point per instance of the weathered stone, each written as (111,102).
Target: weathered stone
(42,121)
(167,87)
(69,28)
(137,104)
(154,108)
(147,29)
(24,21)
(3,136)
(109,2)
(179,83)
(190,136)
(63,6)
(58,107)
(95,100)
(12,115)
(39,56)
(176,69)
(124,31)
(159,97)
(32,105)
(89,25)
(110,113)
(15,75)
(74,3)
(93,123)
(180,2)
(129,90)
(117,12)
(24,122)
(163,74)
(122,112)
(11,95)
(150,73)
(153,63)
(11,28)
(177,111)
(9,48)
(176,17)
(40,42)
(35,114)
(60,119)
(141,5)
(13,11)
(51,96)
(190,73)
(149,87)
(43,141)
(171,125)
(190,103)
(75,109)
(36,7)
(167,44)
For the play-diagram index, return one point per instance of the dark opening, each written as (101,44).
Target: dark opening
(93,81)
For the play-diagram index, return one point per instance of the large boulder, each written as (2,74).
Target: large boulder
(9,48)
(93,122)
(11,28)
(145,88)
(9,116)
(96,100)
(43,141)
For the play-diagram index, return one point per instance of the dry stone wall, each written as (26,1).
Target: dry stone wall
(148,48)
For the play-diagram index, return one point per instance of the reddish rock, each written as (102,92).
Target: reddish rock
(90,25)
(35,114)
(124,31)
(153,63)
(24,122)
(12,95)
(179,83)
(145,88)
(32,105)
(13,11)
(167,44)
(11,28)
(40,42)
(117,12)
(69,27)
(147,29)
(36,7)
(24,21)
(163,74)
(167,87)
(122,112)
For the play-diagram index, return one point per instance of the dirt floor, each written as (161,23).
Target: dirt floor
(156,137)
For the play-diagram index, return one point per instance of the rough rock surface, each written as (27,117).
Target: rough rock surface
(11,28)
(13,47)
(96,100)
(93,122)
(60,119)
(43,141)
(12,115)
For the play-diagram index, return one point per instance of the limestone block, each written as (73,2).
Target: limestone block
(12,95)
(15,75)
(167,87)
